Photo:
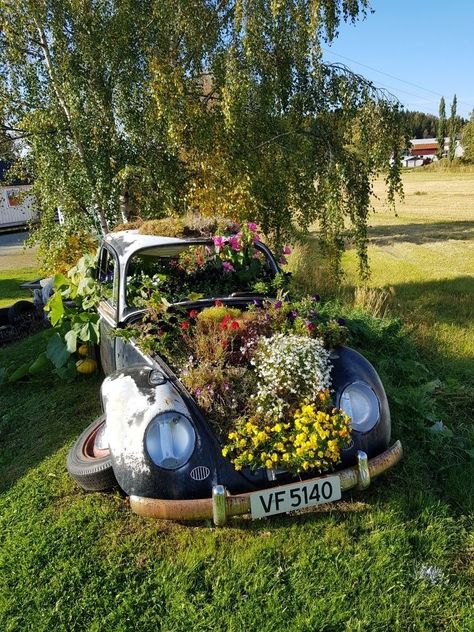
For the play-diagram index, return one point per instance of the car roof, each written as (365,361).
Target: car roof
(126,242)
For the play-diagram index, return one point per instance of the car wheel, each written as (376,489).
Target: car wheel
(89,461)
(19,310)
(4,316)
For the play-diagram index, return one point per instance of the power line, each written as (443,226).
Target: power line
(409,83)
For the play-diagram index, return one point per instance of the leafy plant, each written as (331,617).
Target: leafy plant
(72,307)
(73,315)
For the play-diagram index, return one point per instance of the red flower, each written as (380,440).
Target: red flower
(193,313)
(184,324)
(218,303)
(234,324)
(225,321)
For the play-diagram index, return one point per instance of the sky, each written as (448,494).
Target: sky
(427,46)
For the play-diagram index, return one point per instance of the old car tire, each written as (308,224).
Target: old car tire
(91,469)
(4,316)
(18,309)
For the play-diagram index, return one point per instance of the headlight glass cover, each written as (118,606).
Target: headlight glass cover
(361,404)
(170,440)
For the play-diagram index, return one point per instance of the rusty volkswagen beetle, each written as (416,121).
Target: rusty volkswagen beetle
(154,441)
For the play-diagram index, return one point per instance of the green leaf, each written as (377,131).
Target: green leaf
(19,373)
(40,364)
(68,371)
(195,296)
(60,281)
(71,340)
(55,307)
(57,351)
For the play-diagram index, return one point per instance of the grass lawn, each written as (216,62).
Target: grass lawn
(426,254)
(398,557)
(10,281)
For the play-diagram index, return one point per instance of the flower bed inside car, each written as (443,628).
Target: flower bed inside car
(261,371)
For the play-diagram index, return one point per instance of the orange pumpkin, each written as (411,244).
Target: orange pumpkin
(87,366)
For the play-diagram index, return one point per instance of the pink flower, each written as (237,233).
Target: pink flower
(282,260)
(252,226)
(228,267)
(234,243)
(219,242)
(287,250)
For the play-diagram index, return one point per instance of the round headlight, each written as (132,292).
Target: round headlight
(361,404)
(170,440)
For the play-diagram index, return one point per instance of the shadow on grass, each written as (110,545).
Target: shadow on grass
(10,289)
(421,233)
(447,300)
(39,415)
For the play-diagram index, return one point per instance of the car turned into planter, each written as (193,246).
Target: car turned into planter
(156,442)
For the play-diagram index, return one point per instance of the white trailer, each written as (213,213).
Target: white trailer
(17,207)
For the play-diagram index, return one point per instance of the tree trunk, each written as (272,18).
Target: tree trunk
(124,203)
(76,139)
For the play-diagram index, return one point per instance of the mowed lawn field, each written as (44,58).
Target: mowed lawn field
(425,255)
(398,557)
(16,267)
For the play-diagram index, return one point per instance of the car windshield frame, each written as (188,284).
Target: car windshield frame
(130,310)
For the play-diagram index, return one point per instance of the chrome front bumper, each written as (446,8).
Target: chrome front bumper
(222,505)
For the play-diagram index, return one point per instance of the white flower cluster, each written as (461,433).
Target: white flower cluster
(289,368)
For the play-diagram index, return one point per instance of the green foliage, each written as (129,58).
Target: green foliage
(60,246)
(153,108)
(216,313)
(441,128)
(72,309)
(419,124)
(453,129)
(467,140)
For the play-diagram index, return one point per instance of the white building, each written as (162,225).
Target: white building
(423,151)
(17,207)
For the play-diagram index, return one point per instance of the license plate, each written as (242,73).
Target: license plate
(291,497)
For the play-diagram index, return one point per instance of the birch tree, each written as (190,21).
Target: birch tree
(154,107)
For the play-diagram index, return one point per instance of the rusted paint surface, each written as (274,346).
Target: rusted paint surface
(237,505)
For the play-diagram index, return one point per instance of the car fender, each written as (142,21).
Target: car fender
(350,366)
(130,402)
